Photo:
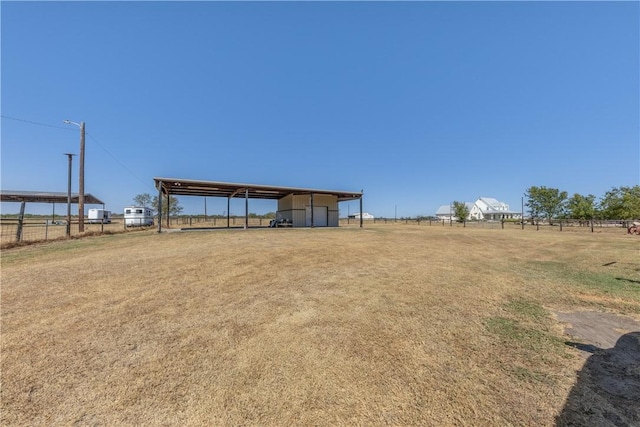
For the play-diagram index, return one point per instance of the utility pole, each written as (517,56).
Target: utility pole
(81,183)
(81,180)
(69,155)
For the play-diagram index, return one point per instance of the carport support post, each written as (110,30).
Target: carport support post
(361,212)
(228,212)
(246,208)
(159,210)
(168,210)
(20,221)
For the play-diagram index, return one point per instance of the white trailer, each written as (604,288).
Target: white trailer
(99,216)
(138,216)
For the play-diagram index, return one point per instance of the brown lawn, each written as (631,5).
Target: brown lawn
(386,325)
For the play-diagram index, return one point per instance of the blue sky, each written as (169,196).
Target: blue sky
(416,103)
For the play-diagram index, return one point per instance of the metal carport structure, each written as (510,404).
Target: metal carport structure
(189,187)
(45,197)
(23,197)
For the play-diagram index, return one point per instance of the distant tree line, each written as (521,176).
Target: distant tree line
(619,203)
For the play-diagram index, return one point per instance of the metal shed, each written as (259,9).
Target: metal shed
(302,206)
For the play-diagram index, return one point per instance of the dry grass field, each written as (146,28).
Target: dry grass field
(386,325)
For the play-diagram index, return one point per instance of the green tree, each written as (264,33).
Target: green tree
(545,202)
(142,200)
(581,207)
(621,203)
(171,203)
(145,199)
(460,211)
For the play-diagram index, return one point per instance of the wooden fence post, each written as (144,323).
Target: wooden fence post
(20,222)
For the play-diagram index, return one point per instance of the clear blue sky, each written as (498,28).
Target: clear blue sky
(416,103)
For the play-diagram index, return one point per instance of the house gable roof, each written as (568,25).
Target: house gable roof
(492,203)
(444,210)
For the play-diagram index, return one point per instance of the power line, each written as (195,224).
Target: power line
(36,123)
(118,161)
(90,136)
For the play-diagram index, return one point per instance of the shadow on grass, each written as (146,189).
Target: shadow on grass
(588,348)
(622,279)
(607,390)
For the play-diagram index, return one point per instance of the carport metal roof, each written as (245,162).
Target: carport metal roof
(45,197)
(188,187)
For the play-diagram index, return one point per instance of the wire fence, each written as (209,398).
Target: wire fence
(39,229)
(34,230)
(558,225)
(209,221)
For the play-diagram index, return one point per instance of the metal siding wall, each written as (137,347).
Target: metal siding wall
(294,207)
(300,201)
(333,218)
(299,218)
(285,203)
(320,216)
(298,204)
(284,208)
(331,204)
(326,200)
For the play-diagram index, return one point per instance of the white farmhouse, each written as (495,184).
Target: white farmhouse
(488,209)
(365,215)
(483,209)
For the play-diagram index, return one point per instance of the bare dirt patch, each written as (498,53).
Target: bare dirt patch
(607,389)
(596,329)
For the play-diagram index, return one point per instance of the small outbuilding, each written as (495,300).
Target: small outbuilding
(299,207)
(307,210)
